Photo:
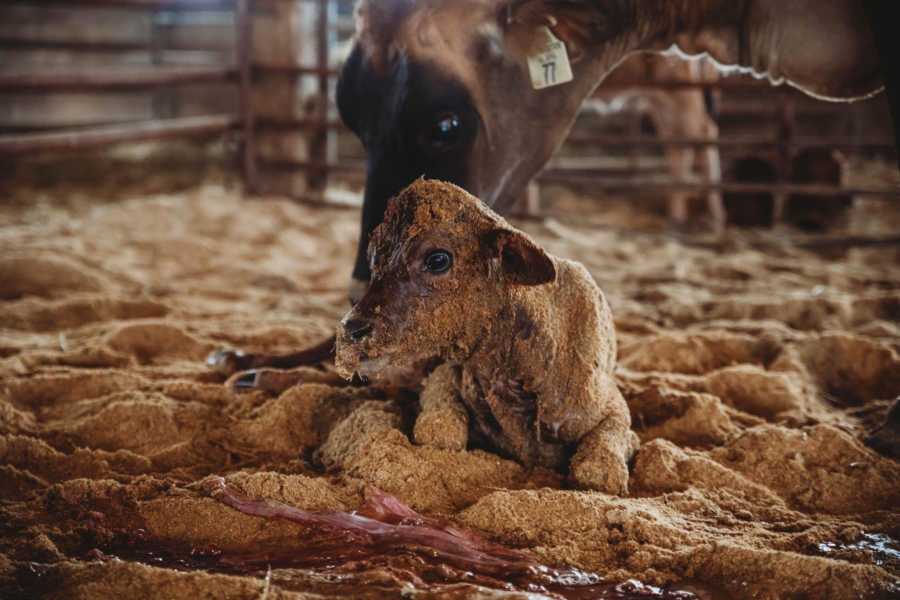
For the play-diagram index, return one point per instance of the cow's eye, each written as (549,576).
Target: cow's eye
(445,131)
(438,261)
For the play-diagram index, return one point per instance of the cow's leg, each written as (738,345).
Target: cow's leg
(714,200)
(229,362)
(671,116)
(372,215)
(359,282)
(710,131)
(681,162)
(443,421)
(601,461)
(778,206)
(382,183)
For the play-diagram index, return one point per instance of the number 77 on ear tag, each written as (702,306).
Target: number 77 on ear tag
(550,65)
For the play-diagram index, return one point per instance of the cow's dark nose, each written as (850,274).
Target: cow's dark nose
(358,329)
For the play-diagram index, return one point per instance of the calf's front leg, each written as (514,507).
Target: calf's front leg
(601,460)
(443,421)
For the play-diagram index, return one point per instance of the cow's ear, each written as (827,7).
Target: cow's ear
(522,261)
(578,24)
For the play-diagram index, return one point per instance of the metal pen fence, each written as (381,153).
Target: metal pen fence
(242,72)
(99,81)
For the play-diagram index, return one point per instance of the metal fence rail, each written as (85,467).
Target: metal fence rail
(103,80)
(21,43)
(134,77)
(243,72)
(95,137)
(143,5)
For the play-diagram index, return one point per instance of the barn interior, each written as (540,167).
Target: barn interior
(175,179)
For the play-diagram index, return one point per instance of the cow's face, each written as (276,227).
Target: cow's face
(414,119)
(441,89)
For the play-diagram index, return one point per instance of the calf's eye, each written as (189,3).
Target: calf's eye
(438,261)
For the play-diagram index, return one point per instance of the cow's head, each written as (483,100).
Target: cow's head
(441,89)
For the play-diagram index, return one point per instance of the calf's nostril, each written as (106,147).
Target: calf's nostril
(357,329)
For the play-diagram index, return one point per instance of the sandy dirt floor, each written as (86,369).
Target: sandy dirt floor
(752,373)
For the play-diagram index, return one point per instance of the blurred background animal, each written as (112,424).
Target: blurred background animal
(442,89)
(686,113)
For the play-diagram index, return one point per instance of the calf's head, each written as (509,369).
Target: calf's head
(442,268)
(441,89)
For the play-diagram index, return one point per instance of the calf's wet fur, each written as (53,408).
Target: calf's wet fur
(519,345)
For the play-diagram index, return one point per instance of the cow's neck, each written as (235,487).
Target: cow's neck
(820,46)
(660,23)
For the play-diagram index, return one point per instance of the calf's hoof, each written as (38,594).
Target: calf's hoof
(444,429)
(228,362)
(608,474)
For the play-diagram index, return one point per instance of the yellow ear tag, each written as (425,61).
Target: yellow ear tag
(550,65)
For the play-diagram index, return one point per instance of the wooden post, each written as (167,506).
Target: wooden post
(318,176)
(785,154)
(165,100)
(244,56)
(105,135)
(284,39)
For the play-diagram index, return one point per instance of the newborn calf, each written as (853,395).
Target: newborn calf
(524,341)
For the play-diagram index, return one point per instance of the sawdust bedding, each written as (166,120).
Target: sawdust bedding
(752,375)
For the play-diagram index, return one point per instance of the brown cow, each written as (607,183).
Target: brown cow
(441,88)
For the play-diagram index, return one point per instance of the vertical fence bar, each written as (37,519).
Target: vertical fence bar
(244,41)
(320,146)
(156,59)
(785,153)
(165,100)
(787,132)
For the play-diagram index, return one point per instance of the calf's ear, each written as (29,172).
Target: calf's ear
(522,261)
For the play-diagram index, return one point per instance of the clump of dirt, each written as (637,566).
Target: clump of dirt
(752,375)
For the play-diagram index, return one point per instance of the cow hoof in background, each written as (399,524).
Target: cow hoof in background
(229,362)
(886,438)
(245,381)
(271,381)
